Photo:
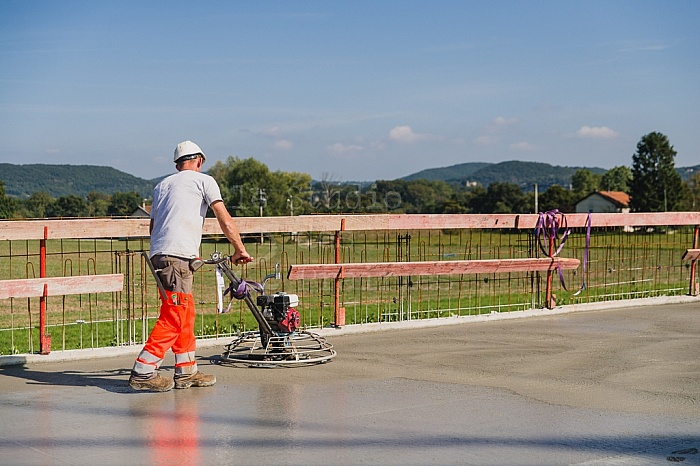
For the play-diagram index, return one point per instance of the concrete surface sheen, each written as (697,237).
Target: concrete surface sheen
(608,387)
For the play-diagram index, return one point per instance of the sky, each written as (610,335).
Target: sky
(347,90)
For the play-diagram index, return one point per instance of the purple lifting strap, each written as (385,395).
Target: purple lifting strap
(547,228)
(243,289)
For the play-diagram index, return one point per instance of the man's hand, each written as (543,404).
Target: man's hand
(231,232)
(241,257)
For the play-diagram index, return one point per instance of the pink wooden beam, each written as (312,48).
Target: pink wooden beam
(115,228)
(691,255)
(397,269)
(57,286)
(450,221)
(74,228)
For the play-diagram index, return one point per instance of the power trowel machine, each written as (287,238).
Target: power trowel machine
(278,341)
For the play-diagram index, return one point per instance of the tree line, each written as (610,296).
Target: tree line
(43,205)
(249,188)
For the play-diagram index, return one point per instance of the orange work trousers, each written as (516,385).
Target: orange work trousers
(174,330)
(175,326)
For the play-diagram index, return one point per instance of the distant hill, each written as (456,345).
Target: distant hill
(527,174)
(460,172)
(524,174)
(61,180)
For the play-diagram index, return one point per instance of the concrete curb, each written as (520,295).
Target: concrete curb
(110,352)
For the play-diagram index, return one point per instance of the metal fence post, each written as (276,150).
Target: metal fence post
(339,316)
(44,338)
(692,288)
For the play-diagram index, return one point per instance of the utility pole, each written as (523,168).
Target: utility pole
(290,204)
(262,201)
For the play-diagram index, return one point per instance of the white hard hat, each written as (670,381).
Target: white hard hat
(187,148)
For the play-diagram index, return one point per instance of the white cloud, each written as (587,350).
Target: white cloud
(491,131)
(503,121)
(485,140)
(596,132)
(405,134)
(523,146)
(273,132)
(283,144)
(341,148)
(276,134)
(377,145)
(644,47)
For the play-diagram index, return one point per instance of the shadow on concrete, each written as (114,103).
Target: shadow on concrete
(112,381)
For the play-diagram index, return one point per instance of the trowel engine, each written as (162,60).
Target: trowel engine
(279,311)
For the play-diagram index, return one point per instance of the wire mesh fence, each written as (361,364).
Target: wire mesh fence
(616,263)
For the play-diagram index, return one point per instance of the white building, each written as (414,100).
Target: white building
(604,202)
(142,211)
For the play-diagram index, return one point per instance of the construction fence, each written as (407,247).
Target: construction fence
(622,257)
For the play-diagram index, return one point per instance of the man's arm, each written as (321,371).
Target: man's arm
(228,226)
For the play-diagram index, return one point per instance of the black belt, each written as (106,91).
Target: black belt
(194,264)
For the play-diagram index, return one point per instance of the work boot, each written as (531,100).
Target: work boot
(154,384)
(195,380)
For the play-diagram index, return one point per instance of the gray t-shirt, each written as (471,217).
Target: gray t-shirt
(180,204)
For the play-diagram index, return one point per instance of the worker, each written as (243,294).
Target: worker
(180,204)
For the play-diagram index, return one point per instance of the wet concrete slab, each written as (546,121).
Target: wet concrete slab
(606,387)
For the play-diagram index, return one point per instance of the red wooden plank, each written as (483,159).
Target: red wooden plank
(691,255)
(391,269)
(34,287)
